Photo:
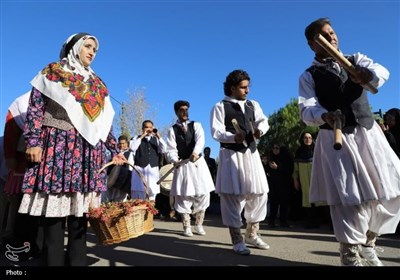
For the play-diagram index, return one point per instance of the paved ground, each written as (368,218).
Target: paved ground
(166,246)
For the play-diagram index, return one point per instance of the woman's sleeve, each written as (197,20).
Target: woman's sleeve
(111,144)
(217,124)
(34,119)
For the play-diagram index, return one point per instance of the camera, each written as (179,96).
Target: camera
(155,130)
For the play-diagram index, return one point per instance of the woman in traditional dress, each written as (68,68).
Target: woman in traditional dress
(68,128)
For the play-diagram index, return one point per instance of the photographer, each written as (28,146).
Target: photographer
(147,149)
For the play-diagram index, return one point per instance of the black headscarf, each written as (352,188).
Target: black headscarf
(395,130)
(393,134)
(305,152)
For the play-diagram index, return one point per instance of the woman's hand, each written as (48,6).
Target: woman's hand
(119,159)
(384,127)
(34,154)
(273,165)
(296,185)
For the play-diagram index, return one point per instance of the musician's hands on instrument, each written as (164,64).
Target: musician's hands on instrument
(362,75)
(34,154)
(358,74)
(330,118)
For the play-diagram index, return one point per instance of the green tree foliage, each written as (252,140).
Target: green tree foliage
(285,128)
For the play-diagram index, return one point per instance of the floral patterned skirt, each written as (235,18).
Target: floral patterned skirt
(69,164)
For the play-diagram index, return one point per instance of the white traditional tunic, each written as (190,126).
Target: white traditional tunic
(192,178)
(366,168)
(360,182)
(238,173)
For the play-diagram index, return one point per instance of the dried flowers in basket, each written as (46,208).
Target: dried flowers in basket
(149,215)
(115,222)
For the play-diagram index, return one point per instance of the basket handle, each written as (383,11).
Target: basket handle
(146,186)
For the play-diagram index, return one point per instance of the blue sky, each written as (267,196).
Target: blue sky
(184,49)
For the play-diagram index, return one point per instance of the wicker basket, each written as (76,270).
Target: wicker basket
(119,227)
(148,222)
(149,217)
(112,234)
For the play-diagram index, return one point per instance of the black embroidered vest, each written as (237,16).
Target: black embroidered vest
(147,153)
(337,91)
(184,141)
(233,111)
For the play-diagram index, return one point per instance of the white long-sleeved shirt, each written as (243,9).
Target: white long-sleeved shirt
(199,138)
(311,110)
(217,120)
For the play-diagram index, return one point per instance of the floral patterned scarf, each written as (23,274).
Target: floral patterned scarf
(79,91)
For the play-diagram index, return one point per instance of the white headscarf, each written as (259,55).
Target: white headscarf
(71,55)
(79,91)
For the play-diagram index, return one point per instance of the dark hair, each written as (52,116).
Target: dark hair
(233,79)
(67,47)
(123,137)
(395,112)
(178,104)
(301,141)
(146,121)
(315,27)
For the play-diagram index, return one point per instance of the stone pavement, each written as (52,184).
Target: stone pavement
(167,247)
